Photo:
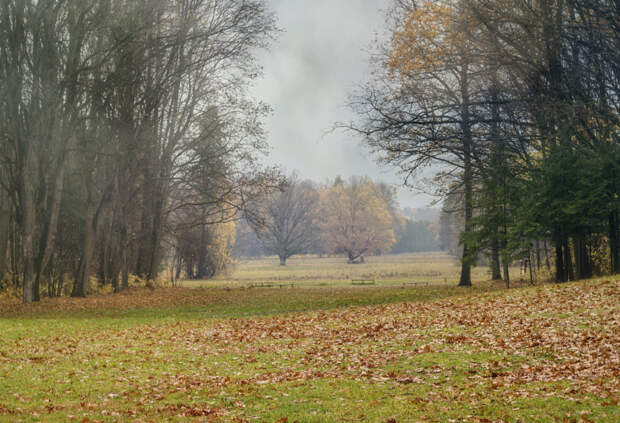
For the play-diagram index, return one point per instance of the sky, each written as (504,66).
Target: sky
(318,60)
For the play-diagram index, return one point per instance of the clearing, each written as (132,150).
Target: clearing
(316,354)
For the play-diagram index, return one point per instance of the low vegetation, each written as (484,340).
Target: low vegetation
(315,354)
(391,269)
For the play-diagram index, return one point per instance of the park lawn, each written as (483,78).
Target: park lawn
(436,268)
(379,354)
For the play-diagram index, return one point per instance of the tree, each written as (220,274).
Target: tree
(420,109)
(106,115)
(496,94)
(415,238)
(356,219)
(562,57)
(45,61)
(285,222)
(204,251)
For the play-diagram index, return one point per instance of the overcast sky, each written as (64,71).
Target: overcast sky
(316,62)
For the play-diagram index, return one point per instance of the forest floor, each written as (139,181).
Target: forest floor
(316,354)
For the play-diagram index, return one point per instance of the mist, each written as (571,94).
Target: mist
(321,56)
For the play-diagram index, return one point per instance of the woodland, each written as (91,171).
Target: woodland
(516,102)
(154,266)
(129,144)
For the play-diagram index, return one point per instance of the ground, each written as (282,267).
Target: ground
(384,353)
(391,269)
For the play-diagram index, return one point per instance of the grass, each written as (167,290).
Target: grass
(316,354)
(433,268)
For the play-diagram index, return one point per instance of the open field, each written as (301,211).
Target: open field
(434,268)
(316,354)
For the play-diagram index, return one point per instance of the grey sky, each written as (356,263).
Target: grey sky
(310,70)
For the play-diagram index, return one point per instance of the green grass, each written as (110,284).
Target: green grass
(316,354)
(433,268)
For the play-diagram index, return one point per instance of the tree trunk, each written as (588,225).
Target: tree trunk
(81,287)
(496,273)
(179,265)
(582,258)
(124,252)
(560,270)
(5,222)
(282,260)
(116,283)
(498,173)
(15,247)
(614,243)
(50,225)
(125,284)
(505,262)
(547,261)
(568,261)
(202,254)
(28,283)
(28,230)
(506,273)
(60,285)
(143,241)
(155,241)
(115,266)
(189,268)
(465,279)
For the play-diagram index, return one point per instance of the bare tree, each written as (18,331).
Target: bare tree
(102,114)
(43,65)
(286,222)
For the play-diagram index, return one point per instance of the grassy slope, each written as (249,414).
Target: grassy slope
(359,354)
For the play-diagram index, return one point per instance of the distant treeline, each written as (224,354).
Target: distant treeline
(355,218)
(516,105)
(416,237)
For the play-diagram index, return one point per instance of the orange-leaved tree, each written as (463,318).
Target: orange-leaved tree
(356,219)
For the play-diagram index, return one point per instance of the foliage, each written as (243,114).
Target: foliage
(416,237)
(427,40)
(356,220)
(517,106)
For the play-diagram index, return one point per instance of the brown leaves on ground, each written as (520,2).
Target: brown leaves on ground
(563,333)
(133,298)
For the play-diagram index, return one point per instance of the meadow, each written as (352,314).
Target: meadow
(310,270)
(319,352)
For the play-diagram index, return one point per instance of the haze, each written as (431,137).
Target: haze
(316,62)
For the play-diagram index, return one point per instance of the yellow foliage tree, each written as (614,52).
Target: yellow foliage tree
(204,250)
(356,220)
(437,64)
(220,247)
(432,39)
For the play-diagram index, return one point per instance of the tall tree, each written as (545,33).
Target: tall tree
(103,110)
(420,109)
(562,56)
